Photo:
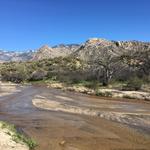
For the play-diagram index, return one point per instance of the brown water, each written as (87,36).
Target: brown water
(120,125)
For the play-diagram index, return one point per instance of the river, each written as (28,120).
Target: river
(120,124)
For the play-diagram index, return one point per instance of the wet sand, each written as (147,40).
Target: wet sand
(120,125)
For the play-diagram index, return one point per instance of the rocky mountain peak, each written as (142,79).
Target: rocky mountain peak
(60,50)
(44,48)
(98,42)
(95,47)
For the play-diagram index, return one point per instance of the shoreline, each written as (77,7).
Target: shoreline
(101,92)
(7,88)
(10,138)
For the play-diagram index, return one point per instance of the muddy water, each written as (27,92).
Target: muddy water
(120,125)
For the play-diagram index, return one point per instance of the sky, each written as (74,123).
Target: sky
(29,24)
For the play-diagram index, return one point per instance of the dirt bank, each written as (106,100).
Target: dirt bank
(8,141)
(103,91)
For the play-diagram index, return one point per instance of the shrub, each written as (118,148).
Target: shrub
(104,94)
(93,85)
(38,75)
(133,84)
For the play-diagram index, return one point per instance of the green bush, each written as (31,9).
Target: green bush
(133,84)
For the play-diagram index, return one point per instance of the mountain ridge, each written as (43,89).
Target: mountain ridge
(90,49)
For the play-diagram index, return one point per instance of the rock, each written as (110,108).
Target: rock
(62,143)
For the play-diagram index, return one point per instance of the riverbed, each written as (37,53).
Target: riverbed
(118,124)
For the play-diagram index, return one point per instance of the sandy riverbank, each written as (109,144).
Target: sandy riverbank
(6,135)
(7,140)
(7,88)
(106,92)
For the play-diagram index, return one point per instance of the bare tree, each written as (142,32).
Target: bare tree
(105,67)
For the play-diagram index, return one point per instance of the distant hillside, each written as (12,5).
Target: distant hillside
(6,56)
(41,53)
(96,59)
(90,50)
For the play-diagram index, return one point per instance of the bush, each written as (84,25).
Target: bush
(16,77)
(104,94)
(38,75)
(134,84)
(93,85)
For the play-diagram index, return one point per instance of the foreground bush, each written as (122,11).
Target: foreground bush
(134,84)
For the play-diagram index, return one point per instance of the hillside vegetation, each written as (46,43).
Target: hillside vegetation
(130,69)
(97,62)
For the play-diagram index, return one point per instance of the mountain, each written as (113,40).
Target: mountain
(41,53)
(95,48)
(6,56)
(91,49)
(56,51)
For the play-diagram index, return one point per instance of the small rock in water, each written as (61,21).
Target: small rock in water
(62,143)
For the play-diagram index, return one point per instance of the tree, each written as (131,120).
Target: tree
(105,66)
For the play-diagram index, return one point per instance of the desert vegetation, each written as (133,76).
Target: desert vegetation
(128,71)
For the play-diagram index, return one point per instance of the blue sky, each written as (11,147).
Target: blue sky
(29,24)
